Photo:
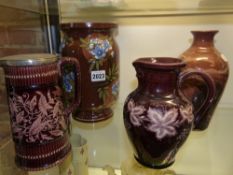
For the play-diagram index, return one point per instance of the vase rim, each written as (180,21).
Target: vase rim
(160,62)
(204,31)
(28,59)
(89,25)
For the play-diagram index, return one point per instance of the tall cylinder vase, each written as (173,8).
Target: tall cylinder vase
(94,46)
(202,55)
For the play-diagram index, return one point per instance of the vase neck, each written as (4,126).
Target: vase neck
(203,38)
(157,83)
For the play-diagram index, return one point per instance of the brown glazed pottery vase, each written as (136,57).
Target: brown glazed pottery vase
(202,55)
(94,46)
(157,116)
(39,123)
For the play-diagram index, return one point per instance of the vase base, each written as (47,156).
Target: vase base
(133,167)
(151,165)
(93,116)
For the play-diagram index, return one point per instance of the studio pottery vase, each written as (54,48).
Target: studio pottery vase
(39,121)
(157,116)
(202,55)
(94,46)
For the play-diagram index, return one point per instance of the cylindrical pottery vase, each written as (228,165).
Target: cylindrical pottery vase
(157,116)
(67,167)
(202,55)
(39,122)
(49,171)
(79,154)
(94,46)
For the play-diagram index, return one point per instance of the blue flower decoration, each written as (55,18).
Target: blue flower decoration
(106,45)
(99,48)
(115,88)
(98,52)
(67,79)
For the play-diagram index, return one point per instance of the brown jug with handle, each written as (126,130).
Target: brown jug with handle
(38,119)
(157,116)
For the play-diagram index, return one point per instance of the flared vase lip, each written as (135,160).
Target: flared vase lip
(204,31)
(159,62)
(89,25)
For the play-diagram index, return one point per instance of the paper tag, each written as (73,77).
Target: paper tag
(97,76)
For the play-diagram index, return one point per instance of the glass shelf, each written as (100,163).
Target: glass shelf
(207,152)
(100,171)
(82,10)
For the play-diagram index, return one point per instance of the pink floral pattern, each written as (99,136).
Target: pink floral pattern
(162,123)
(38,118)
(136,113)
(187,113)
(159,121)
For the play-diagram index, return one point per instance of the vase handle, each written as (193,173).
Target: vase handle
(210,95)
(77,90)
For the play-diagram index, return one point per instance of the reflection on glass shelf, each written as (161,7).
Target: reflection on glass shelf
(103,171)
(27,5)
(11,16)
(31,6)
(204,153)
(89,9)
(132,167)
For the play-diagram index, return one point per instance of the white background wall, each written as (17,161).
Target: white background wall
(171,40)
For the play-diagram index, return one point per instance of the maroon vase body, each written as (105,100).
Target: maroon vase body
(157,116)
(202,55)
(39,122)
(94,46)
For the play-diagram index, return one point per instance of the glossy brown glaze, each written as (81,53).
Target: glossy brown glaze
(94,46)
(157,116)
(39,122)
(202,55)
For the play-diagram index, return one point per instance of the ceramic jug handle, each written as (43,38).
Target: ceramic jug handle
(77,93)
(210,86)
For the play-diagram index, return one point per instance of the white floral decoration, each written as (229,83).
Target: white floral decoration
(136,112)
(163,123)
